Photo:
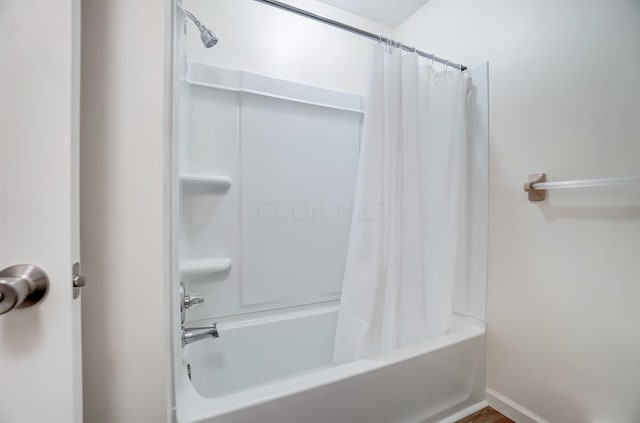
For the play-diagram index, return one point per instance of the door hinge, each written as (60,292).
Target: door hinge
(79,280)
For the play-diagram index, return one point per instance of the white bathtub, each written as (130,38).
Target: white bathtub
(277,369)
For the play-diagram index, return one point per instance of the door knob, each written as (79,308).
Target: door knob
(22,286)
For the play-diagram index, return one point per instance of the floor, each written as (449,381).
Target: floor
(487,415)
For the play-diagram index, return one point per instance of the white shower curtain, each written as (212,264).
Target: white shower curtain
(408,226)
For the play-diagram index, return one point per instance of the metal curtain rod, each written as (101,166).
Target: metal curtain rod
(360,32)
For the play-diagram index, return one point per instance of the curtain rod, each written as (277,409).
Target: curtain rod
(360,32)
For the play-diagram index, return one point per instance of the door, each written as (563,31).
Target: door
(40,346)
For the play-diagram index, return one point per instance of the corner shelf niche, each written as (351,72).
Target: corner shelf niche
(192,269)
(192,184)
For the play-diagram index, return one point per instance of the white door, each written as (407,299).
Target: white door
(40,348)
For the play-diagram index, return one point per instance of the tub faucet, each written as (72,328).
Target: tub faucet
(191,335)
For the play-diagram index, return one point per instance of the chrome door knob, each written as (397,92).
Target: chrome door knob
(22,286)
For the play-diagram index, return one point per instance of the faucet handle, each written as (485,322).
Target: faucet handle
(188,301)
(193,300)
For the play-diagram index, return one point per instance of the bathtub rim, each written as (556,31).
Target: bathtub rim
(200,409)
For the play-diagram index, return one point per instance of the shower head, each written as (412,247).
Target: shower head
(207,36)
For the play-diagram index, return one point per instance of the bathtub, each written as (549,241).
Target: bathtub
(278,369)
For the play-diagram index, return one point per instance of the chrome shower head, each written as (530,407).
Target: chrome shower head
(207,36)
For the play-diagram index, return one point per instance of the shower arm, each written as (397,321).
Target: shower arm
(193,18)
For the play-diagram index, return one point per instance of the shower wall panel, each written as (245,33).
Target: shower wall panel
(267,225)
(299,166)
(210,149)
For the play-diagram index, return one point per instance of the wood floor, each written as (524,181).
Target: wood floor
(487,415)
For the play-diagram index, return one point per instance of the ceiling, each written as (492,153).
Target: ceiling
(388,12)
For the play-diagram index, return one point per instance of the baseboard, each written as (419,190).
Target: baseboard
(466,412)
(511,409)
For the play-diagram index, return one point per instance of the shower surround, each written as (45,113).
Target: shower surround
(266,173)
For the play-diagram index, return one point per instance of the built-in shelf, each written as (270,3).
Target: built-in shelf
(194,184)
(199,268)
(205,75)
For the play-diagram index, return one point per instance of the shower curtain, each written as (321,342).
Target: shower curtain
(408,230)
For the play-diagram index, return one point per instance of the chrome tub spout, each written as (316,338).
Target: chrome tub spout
(191,335)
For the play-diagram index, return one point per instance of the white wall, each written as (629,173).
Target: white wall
(126,353)
(563,315)
(262,39)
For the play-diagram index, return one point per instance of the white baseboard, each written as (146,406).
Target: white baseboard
(465,413)
(511,409)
